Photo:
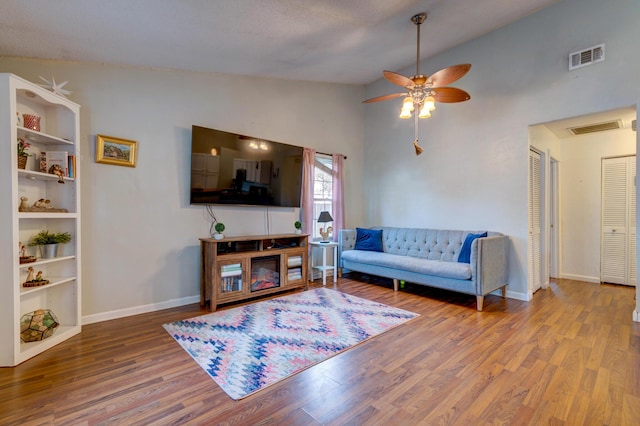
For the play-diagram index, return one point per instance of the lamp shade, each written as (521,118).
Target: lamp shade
(325,217)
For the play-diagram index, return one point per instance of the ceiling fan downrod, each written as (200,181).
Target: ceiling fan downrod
(418,20)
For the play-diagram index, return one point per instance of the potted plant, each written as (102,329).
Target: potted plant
(219,227)
(48,242)
(298,226)
(23,155)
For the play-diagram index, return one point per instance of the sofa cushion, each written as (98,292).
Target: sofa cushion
(439,268)
(432,244)
(465,252)
(368,239)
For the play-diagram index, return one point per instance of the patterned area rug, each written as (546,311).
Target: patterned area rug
(248,348)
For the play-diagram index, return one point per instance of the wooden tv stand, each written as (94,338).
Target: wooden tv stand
(240,268)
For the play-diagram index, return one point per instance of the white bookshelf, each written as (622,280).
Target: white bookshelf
(59,131)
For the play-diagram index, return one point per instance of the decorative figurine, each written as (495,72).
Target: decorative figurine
(326,234)
(36,281)
(30,274)
(57,170)
(42,205)
(24,256)
(23,207)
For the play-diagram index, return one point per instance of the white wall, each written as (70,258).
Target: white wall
(473,173)
(140,236)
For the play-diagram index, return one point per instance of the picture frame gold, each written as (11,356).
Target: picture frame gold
(116,151)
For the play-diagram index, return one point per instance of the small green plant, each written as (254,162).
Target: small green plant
(219,227)
(45,237)
(298,224)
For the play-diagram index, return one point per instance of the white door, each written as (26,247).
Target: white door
(631,242)
(554,213)
(535,219)
(618,221)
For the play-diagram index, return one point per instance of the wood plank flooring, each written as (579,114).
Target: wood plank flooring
(570,356)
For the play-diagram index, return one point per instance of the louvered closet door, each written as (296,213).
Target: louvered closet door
(618,221)
(632,221)
(535,221)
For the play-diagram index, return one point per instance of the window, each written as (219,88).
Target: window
(322,191)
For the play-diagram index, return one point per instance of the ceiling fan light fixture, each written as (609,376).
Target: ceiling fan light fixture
(429,103)
(407,107)
(424,112)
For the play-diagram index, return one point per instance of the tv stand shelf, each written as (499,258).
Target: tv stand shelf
(239,268)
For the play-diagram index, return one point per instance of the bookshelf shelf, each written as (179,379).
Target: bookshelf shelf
(33,175)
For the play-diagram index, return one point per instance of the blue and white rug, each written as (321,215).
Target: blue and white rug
(248,348)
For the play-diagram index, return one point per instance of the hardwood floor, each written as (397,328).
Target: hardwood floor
(570,356)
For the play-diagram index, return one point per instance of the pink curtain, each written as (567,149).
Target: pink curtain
(308,177)
(338,193)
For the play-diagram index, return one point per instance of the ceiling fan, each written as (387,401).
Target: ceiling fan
(422,91)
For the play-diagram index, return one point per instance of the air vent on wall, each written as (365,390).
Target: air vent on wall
(593,128)
(586,57)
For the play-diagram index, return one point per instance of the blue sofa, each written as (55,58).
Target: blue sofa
(430,257)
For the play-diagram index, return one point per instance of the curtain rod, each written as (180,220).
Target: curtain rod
(324,153)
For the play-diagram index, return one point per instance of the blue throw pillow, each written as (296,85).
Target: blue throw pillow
(465,253)
(368,239)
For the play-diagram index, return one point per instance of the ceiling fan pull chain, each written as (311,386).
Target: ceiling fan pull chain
(416,132)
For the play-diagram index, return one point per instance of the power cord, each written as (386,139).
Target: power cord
(267,221)
(214,220)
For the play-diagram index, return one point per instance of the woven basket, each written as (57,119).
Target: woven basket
(22,161)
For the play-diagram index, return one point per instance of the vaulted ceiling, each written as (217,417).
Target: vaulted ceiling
(341,41)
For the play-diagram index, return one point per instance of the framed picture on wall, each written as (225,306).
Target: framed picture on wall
(116,151)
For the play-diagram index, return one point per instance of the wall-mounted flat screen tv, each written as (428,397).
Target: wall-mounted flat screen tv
(228,168)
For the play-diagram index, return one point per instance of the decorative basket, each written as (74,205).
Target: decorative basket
(27,259)
(22,161)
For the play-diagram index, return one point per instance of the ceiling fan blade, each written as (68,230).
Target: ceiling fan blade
(383,98)
(398,79)
(450,95)
(448,75)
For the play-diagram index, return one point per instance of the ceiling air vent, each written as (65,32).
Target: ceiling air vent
(593,128)
(586,57)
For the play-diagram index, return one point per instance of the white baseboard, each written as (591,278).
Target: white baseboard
(525,297)
(135,310)
(581,278)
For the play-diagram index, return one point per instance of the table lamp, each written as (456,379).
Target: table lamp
(324,218)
